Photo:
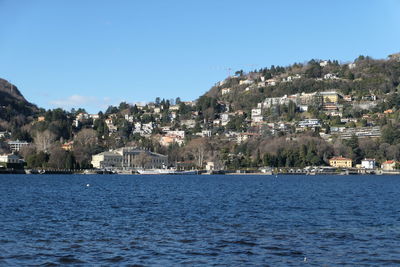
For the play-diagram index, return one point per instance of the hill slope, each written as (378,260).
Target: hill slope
(13,104)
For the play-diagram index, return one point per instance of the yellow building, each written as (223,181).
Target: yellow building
(340,162)
(330,97)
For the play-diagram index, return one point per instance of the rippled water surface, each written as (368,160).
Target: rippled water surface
(199,220)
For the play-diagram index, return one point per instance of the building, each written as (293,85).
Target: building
(242,137)
(360,132)
(225,91)
(188,123)
(330,97)
(204,133)
(41,118)
(173,137)
(341,162)
(9,158)
(210,166)
(107,159)
(138,158)
(256,112)
(5,134)
(67,146)
(368,164)
(309,123)
(225,118)
(389,165)
(16,146)
(11,161)
(129,157)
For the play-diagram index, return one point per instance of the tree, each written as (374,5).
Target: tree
(142,159)
(85,145)
(43,140)
(58,157)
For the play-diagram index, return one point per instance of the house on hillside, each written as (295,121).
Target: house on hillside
(330,97)
(16,146)
(225,91)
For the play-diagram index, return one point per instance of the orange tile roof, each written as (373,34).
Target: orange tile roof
(389,162)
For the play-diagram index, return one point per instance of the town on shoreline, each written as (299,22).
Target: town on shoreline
(316,117)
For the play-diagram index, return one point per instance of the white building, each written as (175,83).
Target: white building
(4,134)
(225,118)
(225,91)
(246,82)
(368,164)
(330,76)
(17,145)
(9,158)
(204,133)
(129,118)
(323,63)
(311,123)
(256,112)
(94,116)
(143,129)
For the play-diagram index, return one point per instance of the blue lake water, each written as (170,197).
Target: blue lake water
(199,220)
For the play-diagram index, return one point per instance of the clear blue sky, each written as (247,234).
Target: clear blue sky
(94,53)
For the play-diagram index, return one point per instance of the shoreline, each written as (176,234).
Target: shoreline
(199,172)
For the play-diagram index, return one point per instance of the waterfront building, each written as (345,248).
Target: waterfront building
(389,165)
(341,162)
(368,164)
(9,158)
(129,157)
(107,159)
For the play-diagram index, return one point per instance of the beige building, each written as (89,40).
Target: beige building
(330,97)
(129,157)
(389,165)
(107,159)
(341,162)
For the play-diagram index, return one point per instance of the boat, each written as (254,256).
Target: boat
(156,171)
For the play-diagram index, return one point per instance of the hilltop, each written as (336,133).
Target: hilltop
(15,109)
(362,77)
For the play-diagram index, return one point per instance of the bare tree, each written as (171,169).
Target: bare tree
(87,137)
(142,159)
(43,140)
(197,148)
(26,151)
(85,144)
(57,158)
